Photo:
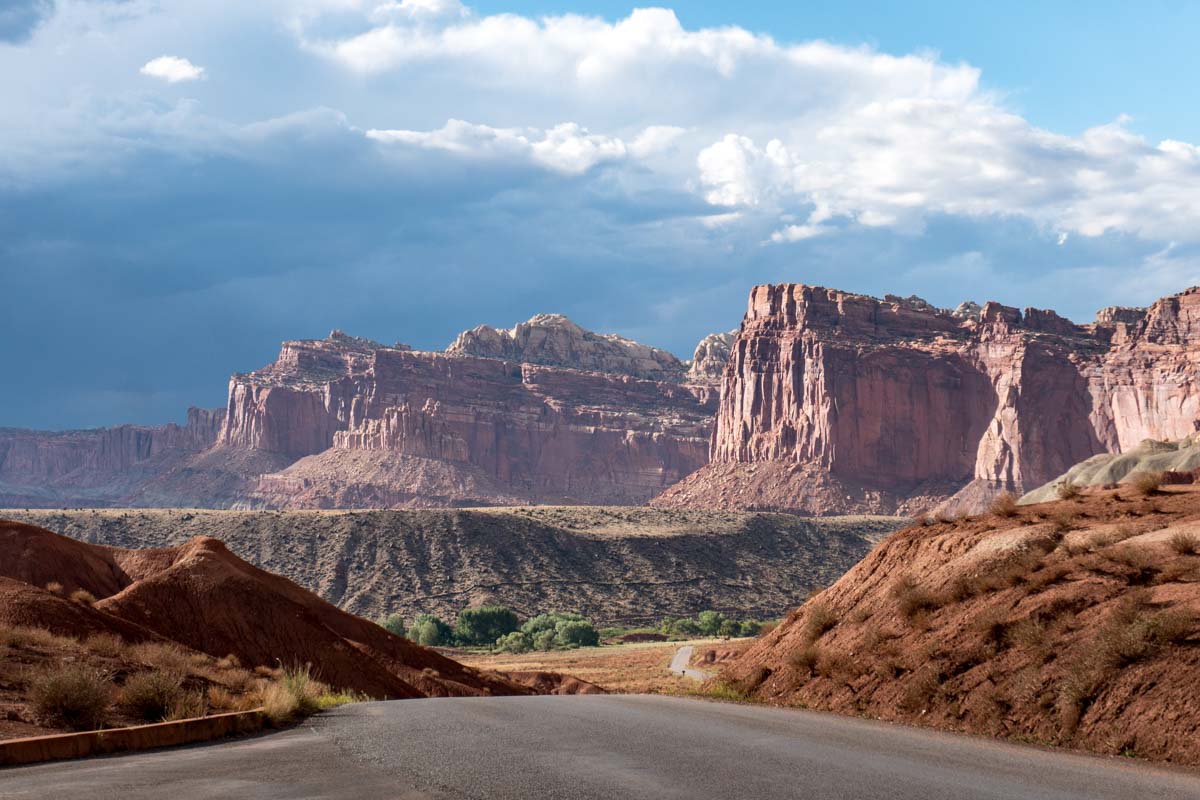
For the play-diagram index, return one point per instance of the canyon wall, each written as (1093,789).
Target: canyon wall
(104,466)
(836,402)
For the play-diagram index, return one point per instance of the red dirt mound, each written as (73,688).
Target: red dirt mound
(1073,623)
(202,596)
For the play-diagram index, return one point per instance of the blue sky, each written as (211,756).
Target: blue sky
(183,184)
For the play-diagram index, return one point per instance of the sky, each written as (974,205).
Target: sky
(184,185)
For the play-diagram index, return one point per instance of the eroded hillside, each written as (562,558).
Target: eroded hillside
(1071,623)
(614,565)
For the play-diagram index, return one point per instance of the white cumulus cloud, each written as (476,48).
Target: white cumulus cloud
(172,69)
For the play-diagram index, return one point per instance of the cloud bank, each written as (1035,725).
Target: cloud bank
(357,163)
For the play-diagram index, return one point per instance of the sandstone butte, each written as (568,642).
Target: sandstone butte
(196,596)
(546,412)
(837,402)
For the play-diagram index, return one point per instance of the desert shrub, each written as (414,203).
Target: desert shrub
(151,695)
(1074,694)
(54,587)
(394,624)
(74,696)
(431,631)
(1064,522)
(105,644)
(83,597)
(1005,505)
(944,516)
(486,624)
(920,690)
(515,642)
(1067,490)
(1185,543)
(805,658)
(1146,483)
(1138,564)
(820,620)
(911,598)
(1133,633)
(836,665)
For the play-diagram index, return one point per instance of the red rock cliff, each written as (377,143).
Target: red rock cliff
(838,402)
(104,466)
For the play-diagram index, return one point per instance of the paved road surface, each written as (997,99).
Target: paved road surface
(679,664)
(609,748)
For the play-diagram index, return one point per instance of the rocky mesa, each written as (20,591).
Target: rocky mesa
(838,402)
(544,412)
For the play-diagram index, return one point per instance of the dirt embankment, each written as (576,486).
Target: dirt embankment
(1074,623)
(614,565)
(202,597)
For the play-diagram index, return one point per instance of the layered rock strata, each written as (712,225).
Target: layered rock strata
(838,402)
(100,467)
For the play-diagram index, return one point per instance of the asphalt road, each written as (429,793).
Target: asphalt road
(610,748)
(679,664)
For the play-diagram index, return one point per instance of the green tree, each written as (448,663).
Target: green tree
(576,633)
(548,622)
(750,628)
(515,642)
(486,624)
(431,631)
(709,622)
(729,628)
(544,640)
(394,623)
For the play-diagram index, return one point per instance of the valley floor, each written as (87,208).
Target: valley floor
(638,668)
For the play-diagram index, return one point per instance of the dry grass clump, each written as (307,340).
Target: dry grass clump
(1185,543)
(19,636)
(912,599)
(163,656)
(1005,505)
(1147,483)
(821,619)
(54,587)
(1133,635)
(83,597)
(105,644)
(836,665)
(298,694)
(152,695)
(1067,490)
(229,662)
(1064,522)
(804,660)
(73,695)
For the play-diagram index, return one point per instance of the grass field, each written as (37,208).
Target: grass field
(639,668)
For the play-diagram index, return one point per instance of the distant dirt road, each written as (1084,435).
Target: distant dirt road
(598,748)
(679,664)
